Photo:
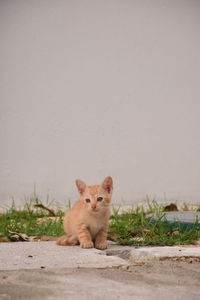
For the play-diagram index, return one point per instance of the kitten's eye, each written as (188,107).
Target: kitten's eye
(87,200)
(99,199)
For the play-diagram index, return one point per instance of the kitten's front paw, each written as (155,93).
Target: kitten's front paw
(101,246)
(87,245)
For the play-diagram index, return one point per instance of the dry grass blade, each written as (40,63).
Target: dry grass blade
(20,236)
(51,211)
(113,236)
(46,219)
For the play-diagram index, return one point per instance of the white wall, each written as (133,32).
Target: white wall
(96,88)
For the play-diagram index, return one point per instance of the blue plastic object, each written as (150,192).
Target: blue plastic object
(186,219)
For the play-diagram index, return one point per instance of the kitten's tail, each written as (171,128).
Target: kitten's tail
(66,240)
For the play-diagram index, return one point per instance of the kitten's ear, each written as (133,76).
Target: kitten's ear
(107,184)
(81,186)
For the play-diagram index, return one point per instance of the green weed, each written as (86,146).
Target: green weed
(31,220)
(133,228)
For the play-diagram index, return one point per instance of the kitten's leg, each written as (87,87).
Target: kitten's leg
(67,240)
(84,236)
(100,241)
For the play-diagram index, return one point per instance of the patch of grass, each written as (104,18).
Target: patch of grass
(133,228)
(31,220)
(128,228)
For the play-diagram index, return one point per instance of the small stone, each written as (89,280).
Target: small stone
(42,267)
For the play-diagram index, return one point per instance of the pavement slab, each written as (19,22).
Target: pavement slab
(43,270)
(37,255)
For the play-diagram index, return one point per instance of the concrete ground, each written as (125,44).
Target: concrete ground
(43,270)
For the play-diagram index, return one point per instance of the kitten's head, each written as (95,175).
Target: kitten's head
(95,197)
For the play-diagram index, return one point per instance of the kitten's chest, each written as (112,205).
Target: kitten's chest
(94,229)
(95,225)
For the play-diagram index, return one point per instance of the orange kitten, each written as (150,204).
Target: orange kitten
(86,223)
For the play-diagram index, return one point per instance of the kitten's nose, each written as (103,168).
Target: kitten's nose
(93,205)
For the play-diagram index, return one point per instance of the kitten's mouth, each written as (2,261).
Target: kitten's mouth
(94,209)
